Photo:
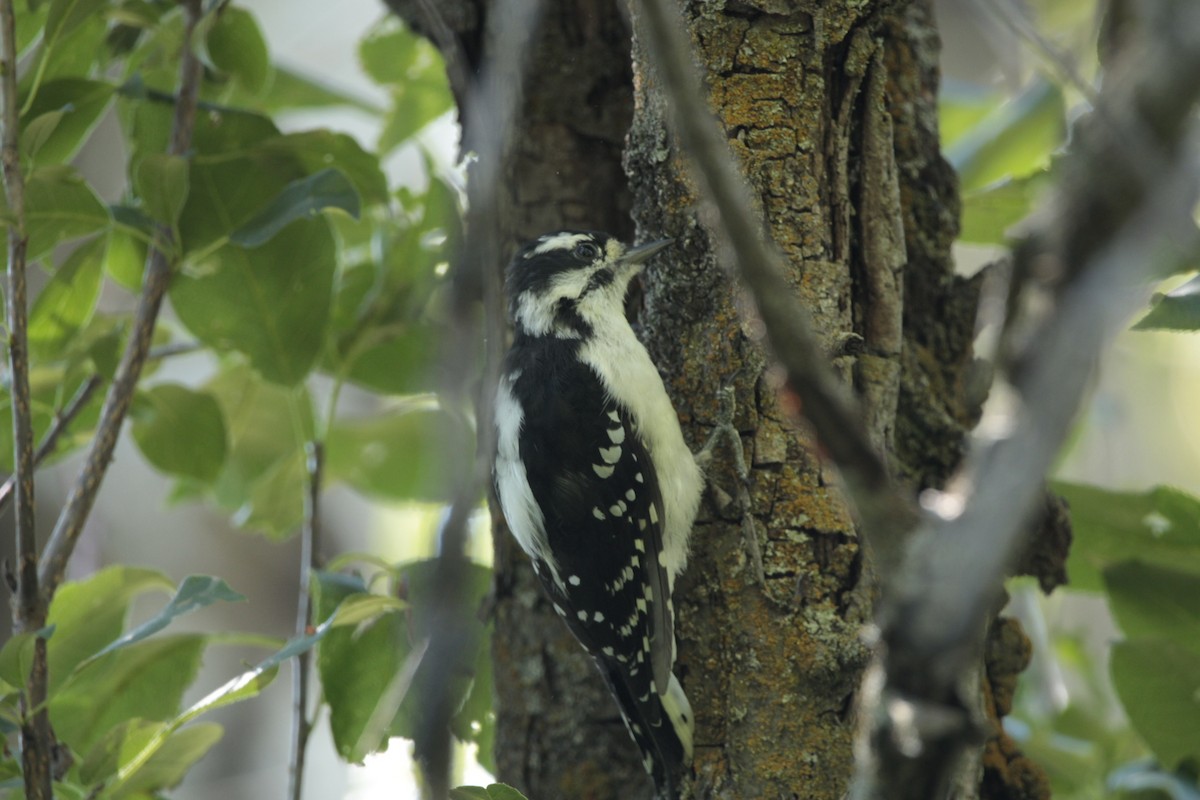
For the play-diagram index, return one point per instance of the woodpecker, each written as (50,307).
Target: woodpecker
(595,479)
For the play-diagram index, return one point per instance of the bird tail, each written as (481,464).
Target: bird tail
(661,725)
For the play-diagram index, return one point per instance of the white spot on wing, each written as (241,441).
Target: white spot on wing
(610,455)
(603,471)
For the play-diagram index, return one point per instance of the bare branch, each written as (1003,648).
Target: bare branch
(1119,215)
(37,740)
(492,103)
(310,549)
(49,442)
(120,394)
(838,420)
(27,612)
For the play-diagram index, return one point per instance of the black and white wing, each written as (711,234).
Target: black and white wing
(593,484)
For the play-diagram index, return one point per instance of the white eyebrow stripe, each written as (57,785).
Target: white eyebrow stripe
(558,241)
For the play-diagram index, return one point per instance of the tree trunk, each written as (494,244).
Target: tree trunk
(831,109)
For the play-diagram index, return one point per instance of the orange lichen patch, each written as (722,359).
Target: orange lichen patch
(800,503)
(736,97)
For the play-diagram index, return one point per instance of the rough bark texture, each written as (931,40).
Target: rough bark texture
(831,108)
(558,734)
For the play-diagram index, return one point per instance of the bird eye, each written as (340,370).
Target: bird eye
(587,251)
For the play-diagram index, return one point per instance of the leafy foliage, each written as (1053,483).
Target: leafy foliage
(295,262)
(372,664)
(1127,730)
(114,698)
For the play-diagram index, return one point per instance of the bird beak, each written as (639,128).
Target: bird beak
(636,255)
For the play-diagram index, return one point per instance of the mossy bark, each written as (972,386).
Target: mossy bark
(829,108)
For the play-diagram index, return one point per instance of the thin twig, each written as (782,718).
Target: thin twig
(310,549)
(886,514)
(37,740)
(120,394)
(62,420)
(933,624)
(492,104)
(173,349)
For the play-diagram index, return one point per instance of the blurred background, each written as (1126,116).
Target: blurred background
(1006,109)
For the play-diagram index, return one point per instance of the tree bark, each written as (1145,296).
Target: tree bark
(831,110)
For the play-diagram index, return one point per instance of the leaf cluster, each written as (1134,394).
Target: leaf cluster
(299,267)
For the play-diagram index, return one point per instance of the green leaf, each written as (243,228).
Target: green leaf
(236,47)
(263,479)
(401,455)
(87,615)
(415,104)
(359,608)
(502,791)
(162,184)
(246,685)
(31,21)
(469,793)
(254,680)
(1161,526)
(107,755)
(391,53)
(180,431)
(412,68)
(125,259)
(166,768)
(401,362)
(196,591)
(1177,310)
(67,15)
(1151,600)
(292,90)
(373,675)
(275,507)
(301,199)
(494,791)
(271,303)
(357,666)
(16,656)
(144,680)
(1013,141)
(1158,682)
(62,117)
(38,131)
(59,206)
(67,302)
(962,106)
(322,149)
(75,54)
(989,213)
